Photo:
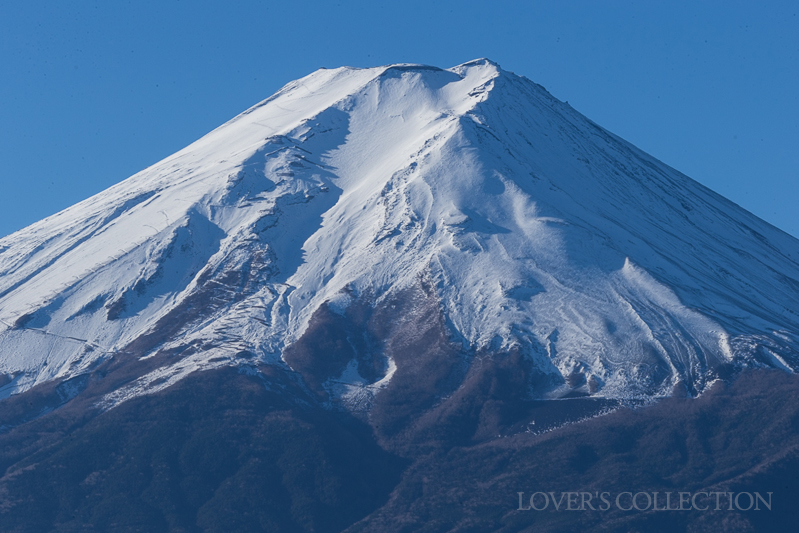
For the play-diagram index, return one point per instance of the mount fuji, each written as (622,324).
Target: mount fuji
(531,229)
(385,292)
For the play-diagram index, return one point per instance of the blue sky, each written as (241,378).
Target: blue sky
(92,92)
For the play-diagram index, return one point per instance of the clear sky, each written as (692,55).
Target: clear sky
(92,92)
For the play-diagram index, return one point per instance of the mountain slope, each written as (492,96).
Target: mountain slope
(470,194)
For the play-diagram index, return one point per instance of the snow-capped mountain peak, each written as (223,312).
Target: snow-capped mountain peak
(537,230)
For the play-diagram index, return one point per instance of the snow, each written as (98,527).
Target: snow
(540,229)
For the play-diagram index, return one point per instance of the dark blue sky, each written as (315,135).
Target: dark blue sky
(92,92)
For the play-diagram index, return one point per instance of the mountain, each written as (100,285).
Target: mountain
(368,270)
(533,229)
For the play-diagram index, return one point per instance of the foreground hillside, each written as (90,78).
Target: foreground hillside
(225,451)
